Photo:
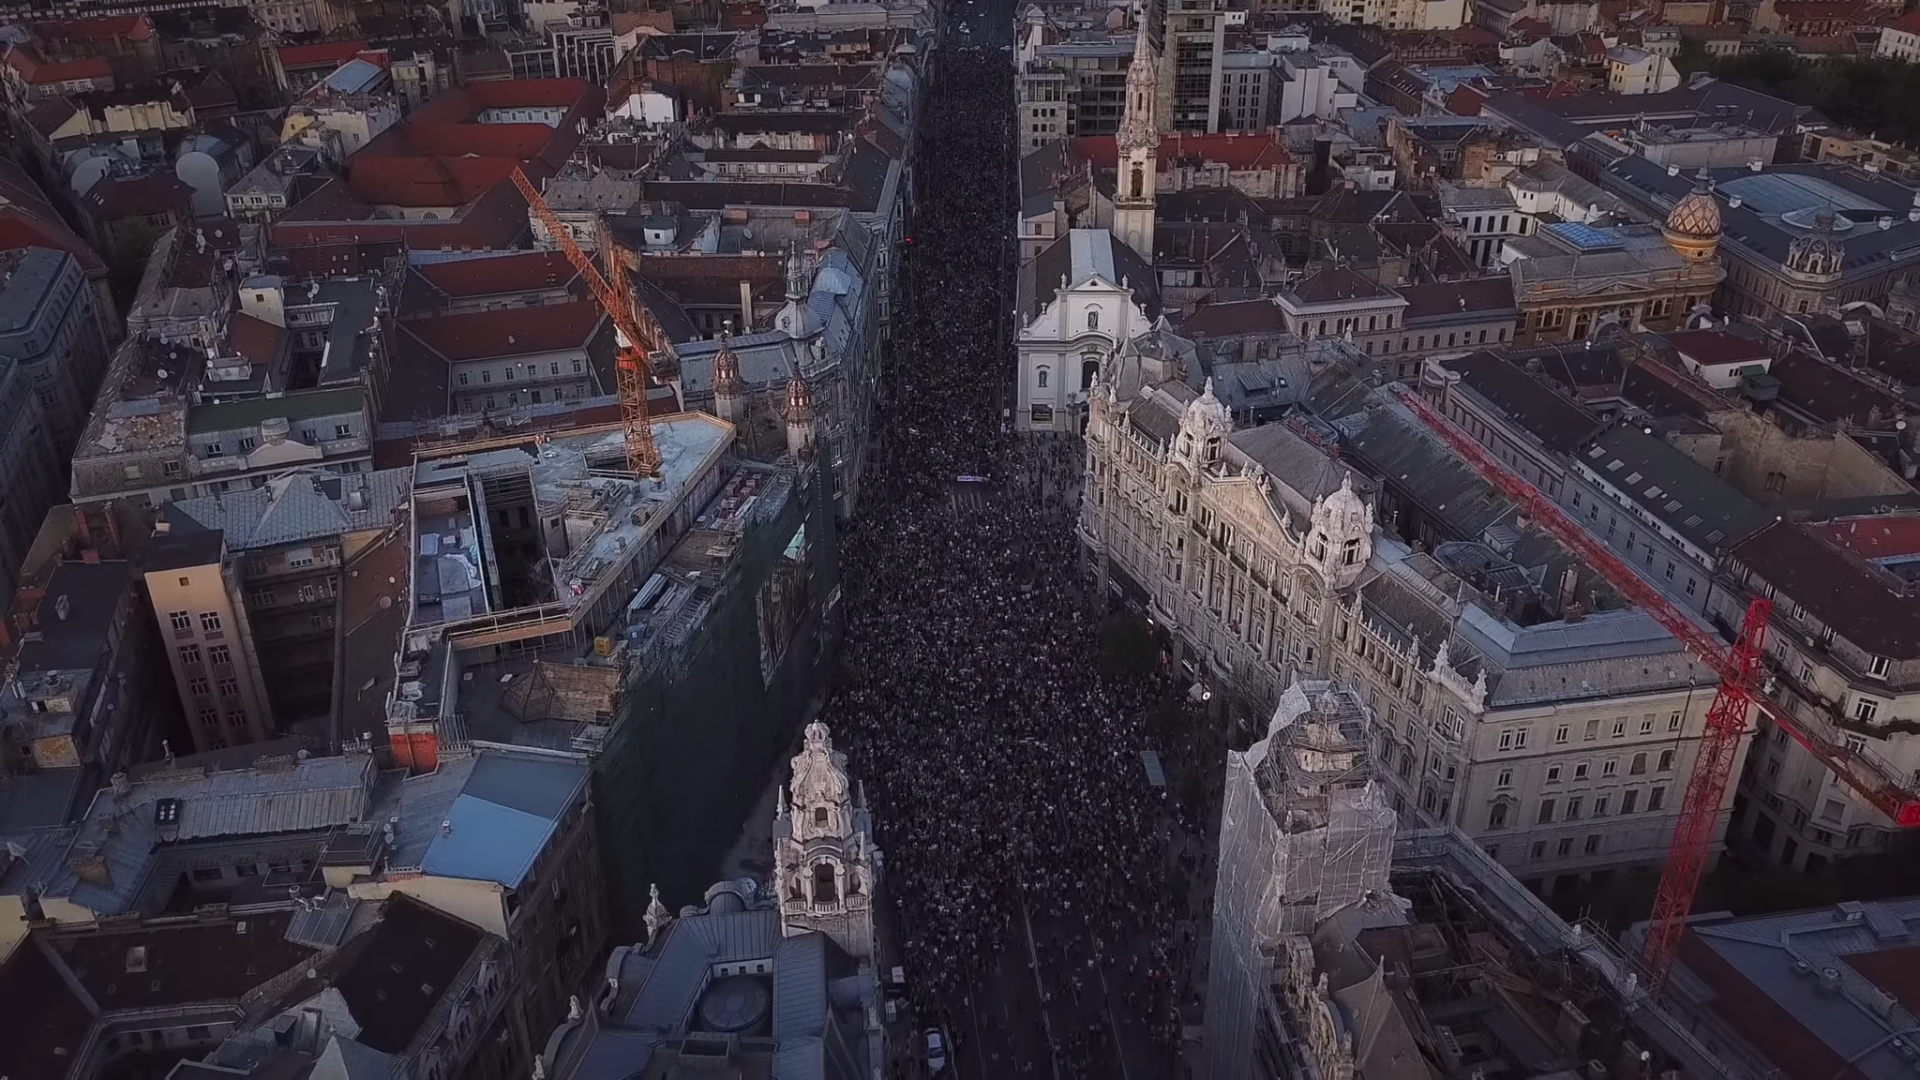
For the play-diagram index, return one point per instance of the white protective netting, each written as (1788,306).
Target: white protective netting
(1305,831)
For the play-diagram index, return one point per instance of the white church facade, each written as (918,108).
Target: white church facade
(1092,290)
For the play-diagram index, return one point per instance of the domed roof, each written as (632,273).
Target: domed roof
(1696,215)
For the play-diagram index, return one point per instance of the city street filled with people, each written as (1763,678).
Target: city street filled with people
(1026,851)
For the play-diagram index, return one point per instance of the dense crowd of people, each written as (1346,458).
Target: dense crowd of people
(1002,762)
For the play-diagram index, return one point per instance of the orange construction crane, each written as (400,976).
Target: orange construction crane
(640,335)
(1739,668)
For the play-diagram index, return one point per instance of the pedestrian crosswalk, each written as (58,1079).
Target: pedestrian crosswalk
(969,499)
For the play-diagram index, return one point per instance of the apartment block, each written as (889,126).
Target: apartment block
(279,915)
(210,645)
(288,543)
(222,383)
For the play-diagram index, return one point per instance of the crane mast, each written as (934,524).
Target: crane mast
(640,335)
(1739,669)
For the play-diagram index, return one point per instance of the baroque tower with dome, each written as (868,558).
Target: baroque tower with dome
(826,865)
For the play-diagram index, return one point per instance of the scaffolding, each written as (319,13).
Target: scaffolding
(1306,831)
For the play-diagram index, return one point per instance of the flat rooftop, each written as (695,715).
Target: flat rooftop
(577,480)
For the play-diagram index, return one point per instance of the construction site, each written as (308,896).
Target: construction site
(1340,949)
(559,601)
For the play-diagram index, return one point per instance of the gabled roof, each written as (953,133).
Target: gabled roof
(425,181)
(1337,284)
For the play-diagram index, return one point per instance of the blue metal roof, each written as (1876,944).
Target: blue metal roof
(487,842)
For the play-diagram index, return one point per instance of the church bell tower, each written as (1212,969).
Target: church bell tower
(1137,146)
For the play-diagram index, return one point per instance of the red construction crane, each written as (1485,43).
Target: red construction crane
(1739,669)
(640,335)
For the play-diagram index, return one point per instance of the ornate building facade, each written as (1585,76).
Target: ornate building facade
(826,865)
(1554,726)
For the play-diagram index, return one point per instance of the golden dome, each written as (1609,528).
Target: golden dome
(1696,215)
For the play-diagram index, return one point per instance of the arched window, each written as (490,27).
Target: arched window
(1089,371)
(1040,378)
(1139,181)
(825,890)
(1350,553)
(1093,318)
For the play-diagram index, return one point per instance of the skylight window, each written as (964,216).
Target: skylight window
(1634,478)
(1654,492)
(1672,505)
(1616,466)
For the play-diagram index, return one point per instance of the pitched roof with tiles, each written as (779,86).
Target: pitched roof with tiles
(147,966)
(486,335)
(40,72)
(1474,296)
(1869,607)
(1235,318)
(102,28)
(319,54)
(36,996)
(498,275)
(146,194)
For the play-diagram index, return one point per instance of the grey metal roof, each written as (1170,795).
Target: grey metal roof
(1773,201)
(1706,511)
(1295,464)
(277,796)
(305,504)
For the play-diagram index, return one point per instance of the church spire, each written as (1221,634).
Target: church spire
(1138,148)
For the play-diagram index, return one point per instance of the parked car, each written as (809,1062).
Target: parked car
(936,1051)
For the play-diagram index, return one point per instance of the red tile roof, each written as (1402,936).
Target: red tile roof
(125,27)
(497,275)
(528,93)
(1717,347)
(1238,152)
(521,141)
(148,193)
(1908,23)
(485,335)
(38,72)
(27,219)
(319,54)
(256,339)
(1235,318)
(1886,536)
(425,182)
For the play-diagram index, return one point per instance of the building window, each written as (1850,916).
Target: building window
(1638,767)
(229,688)
(1580,771)
(181,620)
(1665,763)
(197,686)
(1504,779)
(218,654)
(1656,797)
(1609,767)
(209,622)
(1593,844)
(1629,801)
(1877,666)
(1865,709)
(1546,812)
(190,654)
(1497,816)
